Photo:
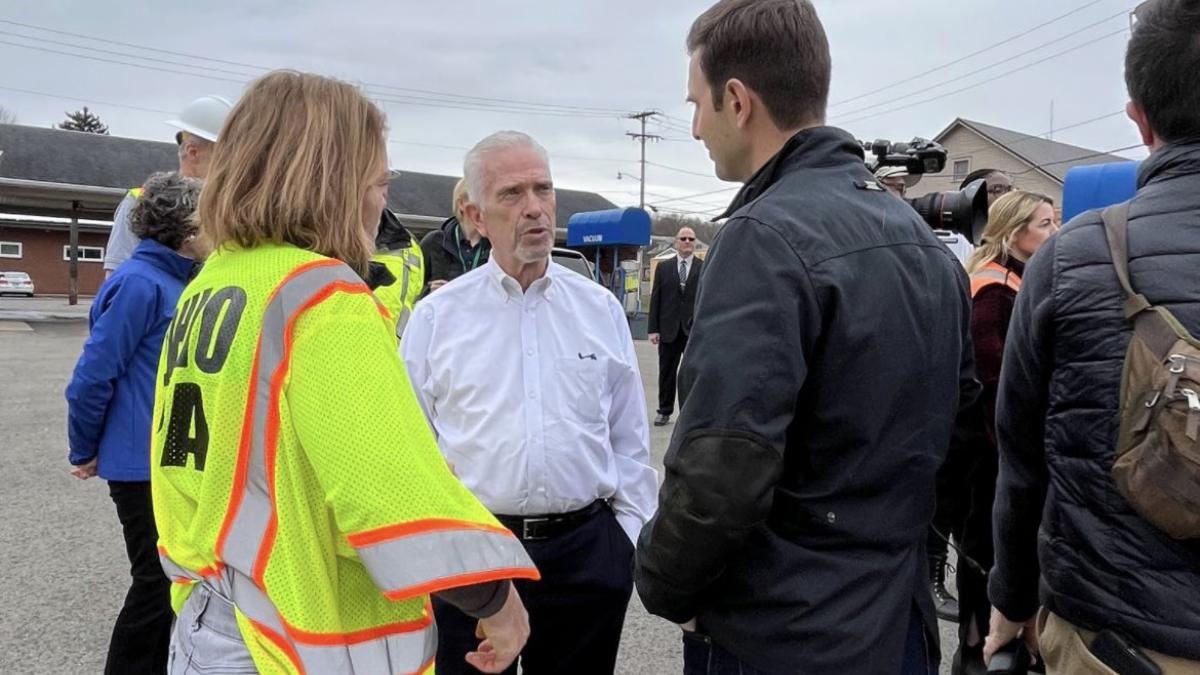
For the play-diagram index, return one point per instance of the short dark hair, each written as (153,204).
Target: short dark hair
(1161,65)
(777,48)
(165,211)
(977,174)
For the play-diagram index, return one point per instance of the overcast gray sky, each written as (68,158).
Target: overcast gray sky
(589,59)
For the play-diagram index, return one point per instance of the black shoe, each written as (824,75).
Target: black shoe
(946,604)
(662,420)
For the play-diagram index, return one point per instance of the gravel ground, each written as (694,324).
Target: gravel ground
(60,543)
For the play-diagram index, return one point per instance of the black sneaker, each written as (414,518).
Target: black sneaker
(662,420)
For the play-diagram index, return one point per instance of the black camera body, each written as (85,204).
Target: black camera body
(963,212)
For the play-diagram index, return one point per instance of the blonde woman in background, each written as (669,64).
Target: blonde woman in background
(1018,224)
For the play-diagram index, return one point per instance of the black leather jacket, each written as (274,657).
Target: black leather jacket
(829,358)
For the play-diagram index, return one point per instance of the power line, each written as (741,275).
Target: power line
(120,63)
(986,81)
(427,92)
(987,67)
(88,101)
(411,101)
(699,194)
(1080,158)
(116,53)
(672,168)
(1029,137)
(968,56)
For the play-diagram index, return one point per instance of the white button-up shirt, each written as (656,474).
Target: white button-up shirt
(535,397)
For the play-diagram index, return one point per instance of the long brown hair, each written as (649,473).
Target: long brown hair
(295,157)
(1006,219)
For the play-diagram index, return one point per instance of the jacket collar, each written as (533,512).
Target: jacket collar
(455,244)
(165,259)
(818,146)
(1169,161)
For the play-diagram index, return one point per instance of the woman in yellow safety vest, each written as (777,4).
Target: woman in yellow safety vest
(303,509)
(1018,224)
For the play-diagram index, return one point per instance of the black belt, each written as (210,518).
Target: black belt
(536,528)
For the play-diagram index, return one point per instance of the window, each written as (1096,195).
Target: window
(86,253)
(11,249)
(962,167)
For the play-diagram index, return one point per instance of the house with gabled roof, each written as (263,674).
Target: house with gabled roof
(1036,164)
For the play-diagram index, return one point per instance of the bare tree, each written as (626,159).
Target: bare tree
(7,116)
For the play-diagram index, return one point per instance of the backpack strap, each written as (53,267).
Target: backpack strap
(1155,326)
(1116,228)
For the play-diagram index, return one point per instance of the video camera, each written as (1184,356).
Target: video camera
(963,212)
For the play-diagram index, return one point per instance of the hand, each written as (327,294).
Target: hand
(655,338)
(688,626)
(436,284)
(1002,631)
(504,635)
(84,471)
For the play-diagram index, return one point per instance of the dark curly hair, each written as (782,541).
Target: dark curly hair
(165,211)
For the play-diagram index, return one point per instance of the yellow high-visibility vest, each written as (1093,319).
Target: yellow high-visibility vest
(399,297)
(293,471)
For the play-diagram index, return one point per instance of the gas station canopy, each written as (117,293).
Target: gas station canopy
(614,227)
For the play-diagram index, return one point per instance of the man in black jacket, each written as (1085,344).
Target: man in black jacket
(827,362)
(1058,515)
(672,302)
(455,248)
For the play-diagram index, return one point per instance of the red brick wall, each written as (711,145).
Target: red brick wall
(42,259)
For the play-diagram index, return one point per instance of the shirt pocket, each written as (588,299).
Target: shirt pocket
(581,384)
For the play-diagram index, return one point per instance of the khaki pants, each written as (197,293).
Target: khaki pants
(1064,647)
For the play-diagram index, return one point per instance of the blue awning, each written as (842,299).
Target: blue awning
(615,227)
(1096,186)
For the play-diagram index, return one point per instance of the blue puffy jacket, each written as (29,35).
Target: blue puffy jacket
(111,395)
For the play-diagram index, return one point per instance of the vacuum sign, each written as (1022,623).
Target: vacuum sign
(593,239)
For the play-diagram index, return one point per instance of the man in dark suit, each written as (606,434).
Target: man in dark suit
(672,299)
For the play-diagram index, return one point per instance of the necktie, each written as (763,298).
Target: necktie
(683,272)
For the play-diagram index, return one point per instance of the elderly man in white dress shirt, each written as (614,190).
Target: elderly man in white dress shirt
(528,375)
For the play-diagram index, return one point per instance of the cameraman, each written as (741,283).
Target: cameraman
(828,359)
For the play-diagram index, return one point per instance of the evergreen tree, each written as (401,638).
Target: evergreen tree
(84,120)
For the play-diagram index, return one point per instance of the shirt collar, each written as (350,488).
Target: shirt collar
(509,289)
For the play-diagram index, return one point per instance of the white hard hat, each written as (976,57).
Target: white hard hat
(203,117)
(898,172)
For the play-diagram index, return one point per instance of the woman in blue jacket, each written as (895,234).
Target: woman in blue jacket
(111,400)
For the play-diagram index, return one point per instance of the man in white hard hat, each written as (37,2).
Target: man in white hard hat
(199,125)
(896,179)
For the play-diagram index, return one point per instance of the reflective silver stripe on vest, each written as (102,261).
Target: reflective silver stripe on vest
(995,275)
(410,262)
(401,566)
(402,652)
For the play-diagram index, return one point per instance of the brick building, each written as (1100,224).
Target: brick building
(51,177)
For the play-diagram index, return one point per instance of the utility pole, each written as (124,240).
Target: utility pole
(73,268)
(643,137)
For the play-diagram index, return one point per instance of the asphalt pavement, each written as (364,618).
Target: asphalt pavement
(63,557)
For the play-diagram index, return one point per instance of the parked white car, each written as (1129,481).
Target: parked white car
(572,260)
(17,283)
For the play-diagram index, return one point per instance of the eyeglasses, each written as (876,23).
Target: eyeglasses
(999,189)
(686,238)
